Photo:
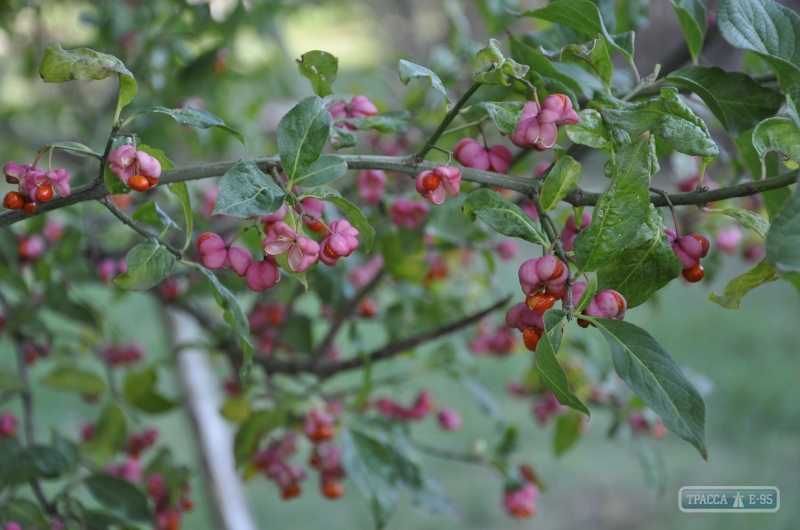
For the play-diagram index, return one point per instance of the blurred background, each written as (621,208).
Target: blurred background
(236,59)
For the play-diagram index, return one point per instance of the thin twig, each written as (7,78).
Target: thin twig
(27,418)
(119,214)
(346,312)
(671,208)
(449,117)
(439,452)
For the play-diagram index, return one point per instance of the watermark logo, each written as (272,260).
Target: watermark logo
(729,499)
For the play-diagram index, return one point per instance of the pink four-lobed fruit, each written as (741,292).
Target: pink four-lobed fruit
(472,154)
(437,184)
(340,243)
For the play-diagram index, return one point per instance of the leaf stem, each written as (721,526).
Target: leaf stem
(671,208)
(466,125)
(139,229)
(449,117)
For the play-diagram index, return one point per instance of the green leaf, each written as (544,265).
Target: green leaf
(326,169)
(245,191)
(645,266)
(542,69)
(692,18)
(669,118)
(233,315)
(181,190)
(591,131)
(483,397)
(505,114)
(731,297)
(749,219)
(151,213)
(594,53)
(139,390)
(767,28)
(586,297)
(320,68)
(736,99)
(491,55)
(297,334)
(9,382)
(568,432)
(505,217)
(584,16)
(793,104)
(551,373)
(253,430)
(23,464)
(235,409)
(565,176)
(108,437)
(395,121)
(620,211)
(82,64)
(119,496)
(652,465)
(148,265)
(409,71)
(26,513)
(783,239)
(655,377)
(68,379)
(74,148)
(369,464)
(113,183)
(404,256)
(302,134)
(777,134)
(68,451)
(341,138)
(192,117)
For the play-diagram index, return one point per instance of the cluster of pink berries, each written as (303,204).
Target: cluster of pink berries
(408,214)
(272,461)
(642,426)
(434,184)
(35,186)
(500,341)
(536,127)
(690,249)
(470,153)
(520,496)
(264,320)
(359,107)
(543,281)
(168,511)
(571,231)
(545,404)
(605,304)
(122,355)
(422,406)
(371,183)
(136,169)
(318,426)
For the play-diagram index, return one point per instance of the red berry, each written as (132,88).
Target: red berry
(45,193)
(329,252)
(313,461)
(332,490)
(531,338)
(152,181)
(557,271)
(431,182)
(186,504)
(584,323)
(316,226)
(695,274)
(291,491)
(539,303)
(13,201)
(139,183)
(324,432)
(29,208)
